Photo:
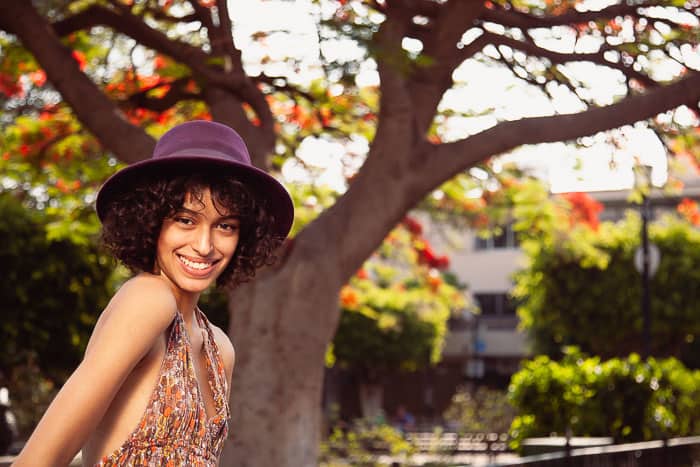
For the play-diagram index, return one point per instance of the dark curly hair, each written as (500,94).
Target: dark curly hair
(132,223)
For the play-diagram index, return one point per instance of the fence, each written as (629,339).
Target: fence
(450,442)
(675,452)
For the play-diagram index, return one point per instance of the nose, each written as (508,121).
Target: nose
(202,243)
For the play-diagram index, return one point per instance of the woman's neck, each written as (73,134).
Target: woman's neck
(186,301)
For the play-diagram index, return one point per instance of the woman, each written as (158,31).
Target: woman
(153,386)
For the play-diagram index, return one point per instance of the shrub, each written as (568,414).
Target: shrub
(361,445)
(629,399)
(481,410)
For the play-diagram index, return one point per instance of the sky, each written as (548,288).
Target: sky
(601,162)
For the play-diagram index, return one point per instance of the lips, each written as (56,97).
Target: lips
(196,267)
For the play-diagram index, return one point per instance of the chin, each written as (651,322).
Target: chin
(195,285)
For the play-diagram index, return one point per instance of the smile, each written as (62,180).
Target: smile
(200,266)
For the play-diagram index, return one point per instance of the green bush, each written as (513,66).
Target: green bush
(580,288)
(482,410)
(52,292)
(629,399)
(361,445)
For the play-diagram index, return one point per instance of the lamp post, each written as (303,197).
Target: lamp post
(646,311)
(647,256)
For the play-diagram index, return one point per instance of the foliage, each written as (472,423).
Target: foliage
(479,410)
(581,288)
(55,167)
(395,309)
(31,392)
(146,64)
(52,292)
(626,398)
(361,445)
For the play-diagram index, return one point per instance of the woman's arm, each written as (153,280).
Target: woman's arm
(128,328)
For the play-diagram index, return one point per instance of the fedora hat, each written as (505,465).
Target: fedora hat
(202,144)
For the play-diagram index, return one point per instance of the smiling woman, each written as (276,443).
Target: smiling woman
(153,386)
(196,244)
(133,223)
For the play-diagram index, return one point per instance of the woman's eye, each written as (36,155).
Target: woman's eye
(184,220)
(229,227)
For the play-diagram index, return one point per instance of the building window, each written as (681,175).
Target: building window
(505,238)
(495,304)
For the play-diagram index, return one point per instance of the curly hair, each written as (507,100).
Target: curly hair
(133,221)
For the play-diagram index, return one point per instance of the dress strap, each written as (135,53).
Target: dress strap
(216,372)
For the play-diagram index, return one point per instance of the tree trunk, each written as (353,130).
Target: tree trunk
(278,377)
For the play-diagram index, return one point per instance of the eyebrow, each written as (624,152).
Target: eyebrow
(199,214)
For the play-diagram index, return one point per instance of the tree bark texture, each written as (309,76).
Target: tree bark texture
(276,393)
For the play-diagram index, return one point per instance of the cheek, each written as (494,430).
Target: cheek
(228,246)
(231,246)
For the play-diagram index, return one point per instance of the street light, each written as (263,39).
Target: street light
(647,256)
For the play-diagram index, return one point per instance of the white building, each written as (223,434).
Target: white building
(489,346)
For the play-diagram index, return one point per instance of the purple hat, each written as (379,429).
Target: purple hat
(203,144)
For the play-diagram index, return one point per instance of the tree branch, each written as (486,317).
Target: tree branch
(516,19)
(94,110)
(175,94)
(202,14)
(234,79)
(159,15)
(135,28)
(429,83)
(451,158)
(560,58)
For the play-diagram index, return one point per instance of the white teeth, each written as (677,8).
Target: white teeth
(194,265)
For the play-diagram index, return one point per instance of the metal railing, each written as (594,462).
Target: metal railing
(675,452)
(450,442)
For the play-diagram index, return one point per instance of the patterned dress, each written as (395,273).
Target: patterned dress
(174,430)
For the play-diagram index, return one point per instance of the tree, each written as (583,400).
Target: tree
(282,322)
(394,313)
(582,288)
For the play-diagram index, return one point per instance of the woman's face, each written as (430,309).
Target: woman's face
(196,244)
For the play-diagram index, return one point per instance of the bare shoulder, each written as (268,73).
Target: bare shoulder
(126,331)
(140,310)
(147,296)
(148,289)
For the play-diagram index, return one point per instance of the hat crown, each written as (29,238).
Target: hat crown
(202,138)
(203,145)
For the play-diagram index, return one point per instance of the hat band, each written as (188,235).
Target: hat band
(199,152)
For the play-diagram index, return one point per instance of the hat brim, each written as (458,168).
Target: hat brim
(265,188)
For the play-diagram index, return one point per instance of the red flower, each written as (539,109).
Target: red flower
(80,58)
(413,225)
(10,86)
(689,209)
(348,297)
(38,77)
(584,209)
(434,281)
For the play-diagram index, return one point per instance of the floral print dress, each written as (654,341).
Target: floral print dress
(174,430)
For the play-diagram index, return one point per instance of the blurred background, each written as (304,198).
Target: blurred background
(495,251)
